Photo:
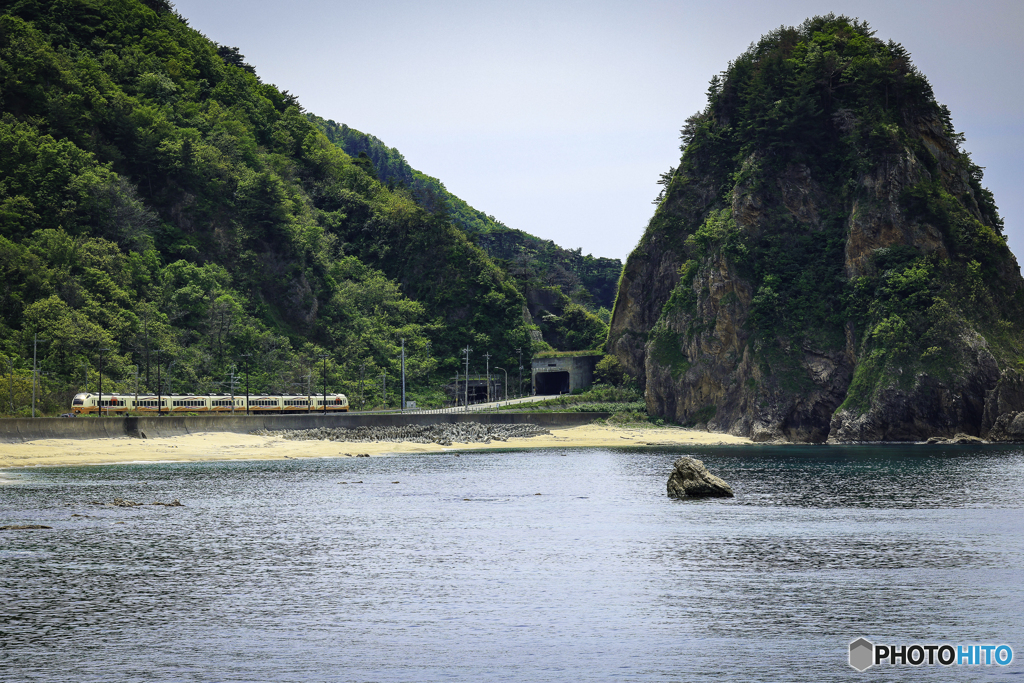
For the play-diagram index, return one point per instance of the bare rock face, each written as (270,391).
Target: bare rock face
(930,407)
(1009,427)
(690,479)
(1006,398)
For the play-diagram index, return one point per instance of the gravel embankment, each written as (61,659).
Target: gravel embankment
(443,434)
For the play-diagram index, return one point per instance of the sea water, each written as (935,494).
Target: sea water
(546,565)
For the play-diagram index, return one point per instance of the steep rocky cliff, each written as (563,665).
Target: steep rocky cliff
(824,263)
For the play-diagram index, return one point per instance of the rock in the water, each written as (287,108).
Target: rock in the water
(1008,427)
(19,527)
(959,438)
(691,479)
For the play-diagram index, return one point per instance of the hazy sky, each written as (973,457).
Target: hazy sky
(558,117)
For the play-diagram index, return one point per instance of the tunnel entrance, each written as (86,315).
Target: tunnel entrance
(477,392)
(549,383)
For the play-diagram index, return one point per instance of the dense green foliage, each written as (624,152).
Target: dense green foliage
(534,262)
(609,371)
(830,102)
(156,194)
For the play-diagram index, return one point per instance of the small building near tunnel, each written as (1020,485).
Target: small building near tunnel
(563,374)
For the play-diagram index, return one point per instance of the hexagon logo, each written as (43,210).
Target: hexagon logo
(862,654)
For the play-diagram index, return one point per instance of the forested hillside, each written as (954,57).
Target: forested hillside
(534,262)
(159,203)
(569,295)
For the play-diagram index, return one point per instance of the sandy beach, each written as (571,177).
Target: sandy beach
(228,446)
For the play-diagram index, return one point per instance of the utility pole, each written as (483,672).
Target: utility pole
(427,371)
(159,386)
(506,380)
(309,397)
(35,369)
(324,357)
(170,385)
(145,331)
(246,357)
(384,388)
(488,357)
(403,374)
(519,389)
(455,402)
(136,406)
(100,402)
(10,364)
(362,374)
(467,377)
(232,389)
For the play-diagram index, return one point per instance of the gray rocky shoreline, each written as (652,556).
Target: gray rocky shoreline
(442,434)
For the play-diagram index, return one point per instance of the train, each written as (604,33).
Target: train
(119,404)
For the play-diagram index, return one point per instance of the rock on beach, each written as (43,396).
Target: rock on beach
(442,433)
(690,479)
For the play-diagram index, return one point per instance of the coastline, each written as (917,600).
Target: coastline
(219,446)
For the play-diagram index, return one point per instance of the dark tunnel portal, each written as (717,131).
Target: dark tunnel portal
(549,383)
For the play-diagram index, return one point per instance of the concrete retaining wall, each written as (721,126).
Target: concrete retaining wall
(15,430)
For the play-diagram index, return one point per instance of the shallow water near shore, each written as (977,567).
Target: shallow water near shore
(440,568)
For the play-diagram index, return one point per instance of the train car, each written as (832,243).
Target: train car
(226,403)
(190,404)
(119,404)
(265,404)
(150,403)
(336,403)
(113,404)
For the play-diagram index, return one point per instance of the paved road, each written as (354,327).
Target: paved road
(475,407)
